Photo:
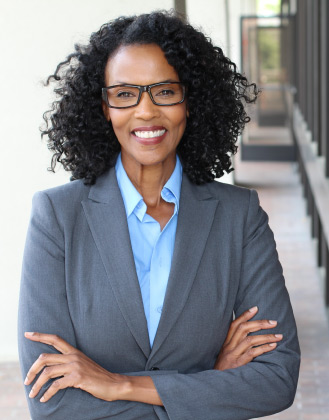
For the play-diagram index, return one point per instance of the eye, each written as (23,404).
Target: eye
(166,92)
(125,94)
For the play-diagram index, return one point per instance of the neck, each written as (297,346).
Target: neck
(149,179)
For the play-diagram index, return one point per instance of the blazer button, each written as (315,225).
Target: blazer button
(154,368)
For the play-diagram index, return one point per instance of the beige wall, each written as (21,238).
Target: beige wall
(35,35)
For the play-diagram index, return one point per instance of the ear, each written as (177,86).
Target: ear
(187,110)
(106,111)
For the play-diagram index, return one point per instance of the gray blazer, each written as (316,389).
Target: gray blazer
(79,281)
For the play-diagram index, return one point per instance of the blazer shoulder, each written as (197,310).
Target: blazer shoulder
(219,186)
(232,195)
(72,191)
(62,202)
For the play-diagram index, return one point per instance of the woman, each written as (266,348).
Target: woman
(132,272)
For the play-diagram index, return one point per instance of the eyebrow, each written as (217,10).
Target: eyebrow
(118,82)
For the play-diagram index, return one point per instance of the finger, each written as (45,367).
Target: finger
(58,384)
(44,360)
(246,328)
(256,340)
(254,352)
(52,340)
(242,318)
(50,372)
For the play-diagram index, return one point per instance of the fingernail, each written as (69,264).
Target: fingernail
(272,322)
(29,333)
(278,335)
(42,399)
(31,393)
(26,381)
(254,309)
(272,344)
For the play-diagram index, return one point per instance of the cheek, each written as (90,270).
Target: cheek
(175,114)
(178,118)
(119,119)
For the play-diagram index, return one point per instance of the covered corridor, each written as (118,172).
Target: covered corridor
(281,196)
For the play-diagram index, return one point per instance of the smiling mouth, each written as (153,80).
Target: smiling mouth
(149,134)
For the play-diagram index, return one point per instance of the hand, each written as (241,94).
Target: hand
(240,348)
(72,368)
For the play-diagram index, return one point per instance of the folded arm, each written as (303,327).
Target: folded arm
(73,369)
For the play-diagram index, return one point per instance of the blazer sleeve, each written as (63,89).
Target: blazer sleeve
(43,307)
(267,384)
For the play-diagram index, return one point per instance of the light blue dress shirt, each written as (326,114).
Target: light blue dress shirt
(152,248)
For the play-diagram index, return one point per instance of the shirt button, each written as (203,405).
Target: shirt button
(159,309)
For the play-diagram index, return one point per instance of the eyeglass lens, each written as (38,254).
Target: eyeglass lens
(166,94)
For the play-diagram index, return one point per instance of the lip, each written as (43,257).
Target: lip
(149,142)
(150,128)
(154,140)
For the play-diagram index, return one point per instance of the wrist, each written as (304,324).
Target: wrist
(123,387)
(138,388)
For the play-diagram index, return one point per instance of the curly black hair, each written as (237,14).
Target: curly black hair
(84,142)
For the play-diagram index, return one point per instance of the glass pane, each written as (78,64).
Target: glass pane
(167,94)
(265,61)
(123,95)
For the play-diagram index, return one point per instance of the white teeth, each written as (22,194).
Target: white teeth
(149,134)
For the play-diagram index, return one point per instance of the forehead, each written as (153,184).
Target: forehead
(139,64)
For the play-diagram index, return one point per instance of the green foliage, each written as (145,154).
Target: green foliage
(268,40)
(269,47)
(268,7)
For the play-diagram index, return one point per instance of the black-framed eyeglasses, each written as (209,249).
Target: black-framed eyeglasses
(127,96)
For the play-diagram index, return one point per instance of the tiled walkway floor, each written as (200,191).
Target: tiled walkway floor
(281,196)
(13,404)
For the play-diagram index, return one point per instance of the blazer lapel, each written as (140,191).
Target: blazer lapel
(196,214)
(106,217)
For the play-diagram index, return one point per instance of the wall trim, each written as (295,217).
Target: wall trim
(316,189)
(314,168)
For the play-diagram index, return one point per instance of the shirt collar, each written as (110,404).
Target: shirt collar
(132,198)
(173,185)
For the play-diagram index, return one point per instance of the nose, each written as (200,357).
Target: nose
(146,109)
